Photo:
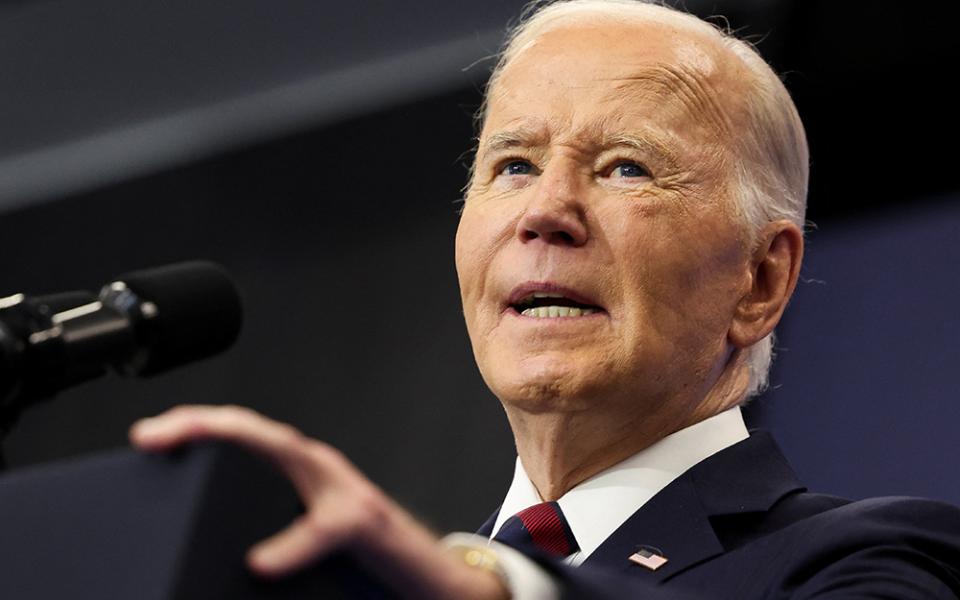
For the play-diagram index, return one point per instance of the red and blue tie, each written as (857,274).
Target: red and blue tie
(539,529)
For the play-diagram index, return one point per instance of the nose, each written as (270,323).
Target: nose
(554,215)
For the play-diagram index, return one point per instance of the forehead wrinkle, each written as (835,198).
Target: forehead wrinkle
(689,88)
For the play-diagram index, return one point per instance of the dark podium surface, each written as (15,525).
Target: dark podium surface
(127,525)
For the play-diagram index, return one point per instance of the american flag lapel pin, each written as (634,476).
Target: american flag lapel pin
(649,557)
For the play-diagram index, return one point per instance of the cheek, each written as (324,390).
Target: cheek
(485,226)
(476,242)
(467,268)
(681,280)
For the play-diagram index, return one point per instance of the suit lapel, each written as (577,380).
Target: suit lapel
(672,522)
(748,477)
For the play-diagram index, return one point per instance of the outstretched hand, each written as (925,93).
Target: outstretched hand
(344,510)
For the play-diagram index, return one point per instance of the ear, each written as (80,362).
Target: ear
(774,269)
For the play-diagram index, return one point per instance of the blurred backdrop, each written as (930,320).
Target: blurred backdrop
(318,151)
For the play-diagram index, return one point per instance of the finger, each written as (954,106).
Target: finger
(306,463)
(228,423)
(303,542)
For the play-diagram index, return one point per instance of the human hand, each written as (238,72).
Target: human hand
(344,509)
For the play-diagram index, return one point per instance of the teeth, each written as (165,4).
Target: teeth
(529,299)
(554,312)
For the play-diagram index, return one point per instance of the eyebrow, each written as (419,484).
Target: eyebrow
(647,142)
(504,140)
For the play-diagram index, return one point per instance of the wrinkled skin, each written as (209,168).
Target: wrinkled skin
(604,167)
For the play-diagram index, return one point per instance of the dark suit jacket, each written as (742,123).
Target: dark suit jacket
(739,525)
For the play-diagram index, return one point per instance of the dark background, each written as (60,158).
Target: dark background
(318,150)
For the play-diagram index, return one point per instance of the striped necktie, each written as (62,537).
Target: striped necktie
(539,529)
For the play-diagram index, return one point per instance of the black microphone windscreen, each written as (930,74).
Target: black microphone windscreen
(198,312)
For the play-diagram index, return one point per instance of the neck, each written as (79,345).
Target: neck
(561,450)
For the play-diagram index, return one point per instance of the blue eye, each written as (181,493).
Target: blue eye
(629,170)
(517,167)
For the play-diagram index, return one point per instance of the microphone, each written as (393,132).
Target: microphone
(143,323)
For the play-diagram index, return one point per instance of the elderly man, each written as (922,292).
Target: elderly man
(630,239)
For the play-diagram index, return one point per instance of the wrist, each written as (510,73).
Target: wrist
(484,576)
(521,576)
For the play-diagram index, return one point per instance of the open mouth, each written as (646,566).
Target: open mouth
(552,305)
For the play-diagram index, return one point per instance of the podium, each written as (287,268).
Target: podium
(132,526)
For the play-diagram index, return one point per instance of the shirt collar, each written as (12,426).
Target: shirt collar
(596,507)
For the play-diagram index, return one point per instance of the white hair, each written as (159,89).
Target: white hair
(772,169)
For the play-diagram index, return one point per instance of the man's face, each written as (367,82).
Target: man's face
(602,186)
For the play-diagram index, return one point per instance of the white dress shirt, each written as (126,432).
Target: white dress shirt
(595,508)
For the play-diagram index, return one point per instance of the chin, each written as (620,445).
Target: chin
(547,383)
